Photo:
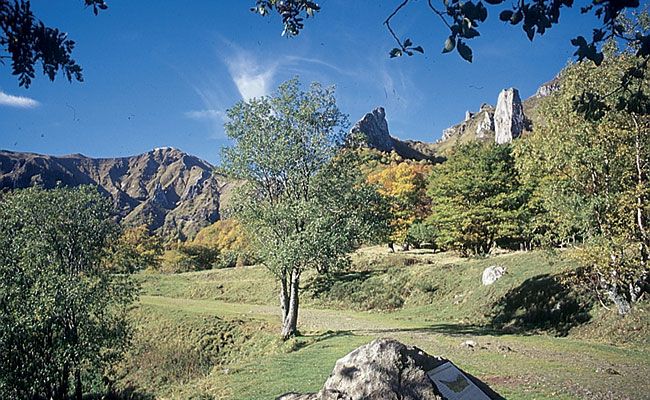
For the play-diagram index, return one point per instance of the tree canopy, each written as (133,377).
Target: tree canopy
(62,311)
(477,201)
(28,42)
(591,174)
(304,204)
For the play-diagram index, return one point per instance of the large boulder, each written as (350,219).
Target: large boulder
(509,120)
(386,369)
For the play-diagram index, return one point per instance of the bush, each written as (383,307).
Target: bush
(227,259)
(421,233)
(188,257)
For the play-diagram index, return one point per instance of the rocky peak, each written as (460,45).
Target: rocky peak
(509,120)
(375,127)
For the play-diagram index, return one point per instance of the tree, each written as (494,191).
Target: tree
(476,199)
(228,237)
(404,185)
(136,249)
(28,42)
(63,313)
(304,204)
(591,172)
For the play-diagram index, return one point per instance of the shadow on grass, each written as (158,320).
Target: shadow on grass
(542,303)
(304,341)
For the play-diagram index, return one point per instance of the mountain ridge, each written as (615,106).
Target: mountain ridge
(172,192)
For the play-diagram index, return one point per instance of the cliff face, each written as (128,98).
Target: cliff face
(172,192)
(375,127)
(509,119)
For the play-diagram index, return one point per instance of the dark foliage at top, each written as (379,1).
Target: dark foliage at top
(26,42)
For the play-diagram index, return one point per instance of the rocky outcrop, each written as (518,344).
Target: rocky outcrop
(509,120)
(387,369)
(548,88)
(485,126)
(375,128)
(172,192)
(477,125)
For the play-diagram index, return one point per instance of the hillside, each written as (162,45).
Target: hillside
(172,192)
(209,334)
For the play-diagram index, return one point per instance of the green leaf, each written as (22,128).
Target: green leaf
(408,43)
(471,33)
(505,15)
(395,53)
(464,51)
(450,44)
(419,49)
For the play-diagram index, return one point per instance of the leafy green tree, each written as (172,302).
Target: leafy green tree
(591,173)
(304,204)
(62,313)
(476,199)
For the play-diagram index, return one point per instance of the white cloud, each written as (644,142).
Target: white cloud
(209,114)
(251,78)
(17,101)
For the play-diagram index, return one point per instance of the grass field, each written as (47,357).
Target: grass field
(213,334)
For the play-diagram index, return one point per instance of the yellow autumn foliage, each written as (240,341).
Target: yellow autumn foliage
(404,183)
(224,235)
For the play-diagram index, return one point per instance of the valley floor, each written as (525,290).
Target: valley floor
(199,338)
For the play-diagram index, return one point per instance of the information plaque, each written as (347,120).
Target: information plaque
(454,385)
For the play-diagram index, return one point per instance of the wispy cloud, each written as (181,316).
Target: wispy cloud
(251,77)
(17,101)
(210,114)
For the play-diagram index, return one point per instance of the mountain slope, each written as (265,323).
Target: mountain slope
(172,192)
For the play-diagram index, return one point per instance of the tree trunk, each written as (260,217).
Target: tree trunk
(290,321)
(284,296)
(640,199)
(78,392)
(62,389)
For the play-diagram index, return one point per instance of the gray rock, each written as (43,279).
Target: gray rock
(485,125)
(469,344)
(384,369)
(509,120)
(492,274)
(375,127)
(548,88)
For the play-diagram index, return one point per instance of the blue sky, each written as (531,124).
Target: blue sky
(163,73)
